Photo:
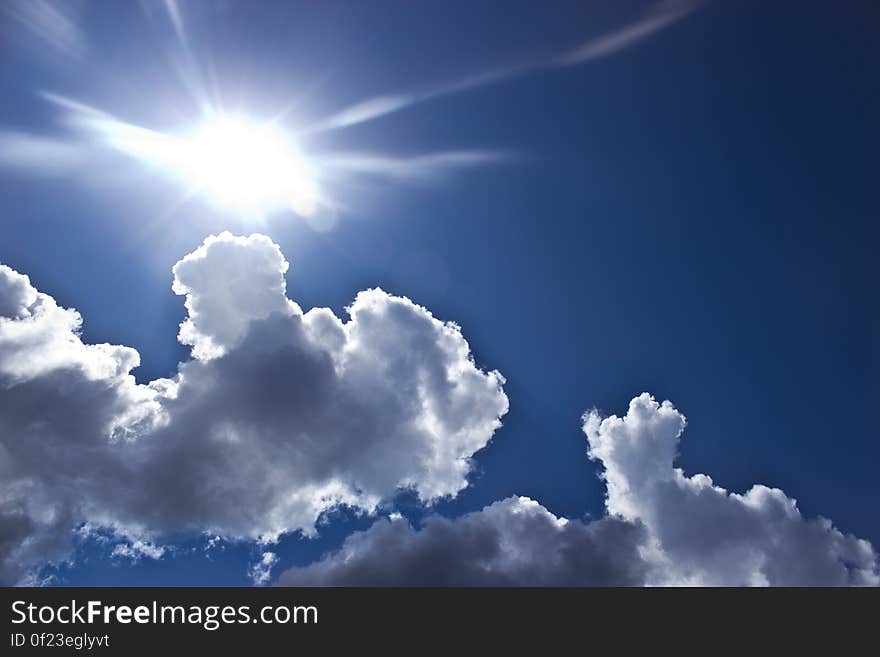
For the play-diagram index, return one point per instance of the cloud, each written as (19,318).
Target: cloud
(228,283)
(660,16)
(419,167)
(663,528)
(64,407)
(279,416)
(39,154)
(261,572)
(176,18)
(136,549)
(52,23)
(512,542)
(706,535)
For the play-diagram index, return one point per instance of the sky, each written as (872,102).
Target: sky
(519,218)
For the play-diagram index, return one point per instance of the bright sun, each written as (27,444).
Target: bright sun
(248,167)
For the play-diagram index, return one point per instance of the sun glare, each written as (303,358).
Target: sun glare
(248,167)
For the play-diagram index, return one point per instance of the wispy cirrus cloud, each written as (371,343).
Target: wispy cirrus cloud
(53,24)
(418,167)
(658,17)
(37,153)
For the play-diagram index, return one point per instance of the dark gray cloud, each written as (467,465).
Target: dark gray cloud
(515,542)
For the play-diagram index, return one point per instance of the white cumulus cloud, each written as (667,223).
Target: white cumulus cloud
(279,416)
(261,571)
(702,533)
(662,528)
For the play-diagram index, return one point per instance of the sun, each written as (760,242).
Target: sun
(248,167)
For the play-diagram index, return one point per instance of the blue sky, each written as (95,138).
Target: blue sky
(691,215)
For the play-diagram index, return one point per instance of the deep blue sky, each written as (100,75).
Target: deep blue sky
(695,216)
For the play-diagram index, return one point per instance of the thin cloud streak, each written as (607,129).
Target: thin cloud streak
(176,18)
(36,153)
(51,22)
(661,16)
(420,167)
